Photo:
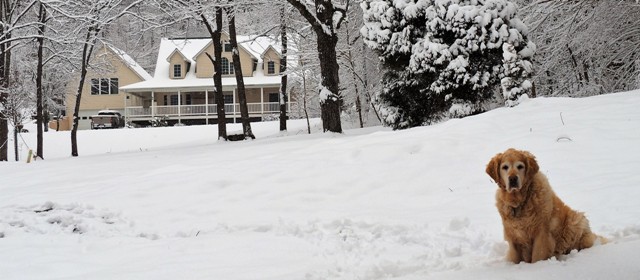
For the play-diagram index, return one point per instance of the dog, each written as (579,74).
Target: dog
(537,224)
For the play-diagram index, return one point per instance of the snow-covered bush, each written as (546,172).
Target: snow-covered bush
(444,52)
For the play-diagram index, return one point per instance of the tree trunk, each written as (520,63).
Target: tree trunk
(366,82)
(354,76)
(86,54)
(4,83)
(323,25)
(237,68)
(39,108)
(574,62)
(46,116)
(304,100)
(15,141)
(330,99)
(217,69)
(5,69)
(283,69)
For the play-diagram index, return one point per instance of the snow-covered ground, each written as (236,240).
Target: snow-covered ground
(174,203)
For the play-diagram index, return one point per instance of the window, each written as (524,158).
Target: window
(271,67)
(114,86)
(228,99)
(177,71)
(188,99)
(274,97)
(95,86)
(174,99)
(227,67)
(227,47)
(104,86)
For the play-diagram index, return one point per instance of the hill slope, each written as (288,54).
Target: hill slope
(170,203)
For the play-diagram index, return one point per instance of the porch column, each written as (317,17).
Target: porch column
(179,105)
(126,116)
(153,104)
(234,105)
(262,101)
(206,106)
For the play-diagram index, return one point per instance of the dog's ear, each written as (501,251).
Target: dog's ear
(493,168)
(532,164)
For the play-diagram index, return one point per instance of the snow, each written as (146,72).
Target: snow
(131,63)
(439,42)
(325,93)
(190,49)
(174,203)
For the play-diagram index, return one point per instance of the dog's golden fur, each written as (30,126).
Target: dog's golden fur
(537,224)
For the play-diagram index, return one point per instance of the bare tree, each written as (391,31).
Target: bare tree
(210,14)
(283,69)
(584,47)
(42,19)
(215,32)
(11,13)
(325,17)
(91,18)
(242,95)
(17,111)
(354,58)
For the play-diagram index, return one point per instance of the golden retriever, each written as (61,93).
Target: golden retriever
(537,224)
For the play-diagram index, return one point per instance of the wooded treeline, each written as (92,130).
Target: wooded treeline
(583,48)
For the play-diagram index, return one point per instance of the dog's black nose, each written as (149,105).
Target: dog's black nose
(513,181)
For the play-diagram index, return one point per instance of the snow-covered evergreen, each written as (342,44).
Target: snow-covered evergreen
(451,52)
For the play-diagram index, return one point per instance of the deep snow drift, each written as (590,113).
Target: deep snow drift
(173,203)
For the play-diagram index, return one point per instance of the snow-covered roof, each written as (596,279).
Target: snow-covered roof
(190,48)
(181,54)
(131,63)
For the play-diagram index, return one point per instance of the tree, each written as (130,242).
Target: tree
(215,32)
(304,73)
(584,47)
(283,69)
(17,111)
(42,19)
(11,12)
(209,13)
(446,57)
(91,18)
(325,17)
(353,57)
(237,67)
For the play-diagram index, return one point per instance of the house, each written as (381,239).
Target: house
(111,69)
(182,88)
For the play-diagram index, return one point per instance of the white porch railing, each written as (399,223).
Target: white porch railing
(201,110)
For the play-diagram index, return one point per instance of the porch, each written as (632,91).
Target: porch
(199,111)
(196,106)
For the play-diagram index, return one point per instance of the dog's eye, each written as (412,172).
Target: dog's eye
(505,167)
(520,167)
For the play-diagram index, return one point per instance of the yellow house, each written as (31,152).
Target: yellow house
(181,89)
(111,70)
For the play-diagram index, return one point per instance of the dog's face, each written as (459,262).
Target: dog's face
(512,169)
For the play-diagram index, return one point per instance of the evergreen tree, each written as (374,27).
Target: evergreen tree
(446,57)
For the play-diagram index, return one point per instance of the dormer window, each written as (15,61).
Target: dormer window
(177,71)
(271,67)
(227,67)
